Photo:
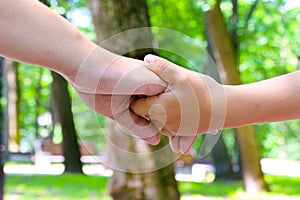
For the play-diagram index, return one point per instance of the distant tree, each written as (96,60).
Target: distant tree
(226,60)
(222,161)
(2,121)
(63,109)
(13,107)
(220,156)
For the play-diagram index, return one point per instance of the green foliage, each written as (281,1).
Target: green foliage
(184,16)
(231,143)
(268,47)
(279,140)
(77,12)
(178,32)
(31,78)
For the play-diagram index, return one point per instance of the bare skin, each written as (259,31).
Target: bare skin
(271,100)
(32,33)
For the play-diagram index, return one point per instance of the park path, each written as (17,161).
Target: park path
(196,173)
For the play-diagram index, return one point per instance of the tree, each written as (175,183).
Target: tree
(13,96)
(110,18)
(226,60)
(63,110)
(2,121)
(221,159)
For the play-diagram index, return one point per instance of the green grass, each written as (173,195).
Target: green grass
(284,186)
(281,188)
(73,187)
(64,187)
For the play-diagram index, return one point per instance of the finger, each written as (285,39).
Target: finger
(174,143)
(144,129)
(167,132)
(139,126)
(154,140)
(186,143)
(138,81)
(150,110)
(163,68)
(142,106)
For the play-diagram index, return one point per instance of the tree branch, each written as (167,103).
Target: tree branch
(251,11)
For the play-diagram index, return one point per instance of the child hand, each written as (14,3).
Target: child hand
(185,108)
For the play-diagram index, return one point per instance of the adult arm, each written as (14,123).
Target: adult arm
(31,33)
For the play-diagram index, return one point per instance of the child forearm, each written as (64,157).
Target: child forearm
(271,100)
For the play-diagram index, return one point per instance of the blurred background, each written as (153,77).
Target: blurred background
(52,146)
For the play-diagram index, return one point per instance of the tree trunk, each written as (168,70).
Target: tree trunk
(227,63)
(2,180)
(2,121)
(3,124)
(221,159)
(12,105)
(38,102)
(111,17)
(156,185)
(63,109)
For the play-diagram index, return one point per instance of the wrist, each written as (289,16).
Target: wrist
(239,107)
(218,105)
(90,71)
(211,102)
(75,61)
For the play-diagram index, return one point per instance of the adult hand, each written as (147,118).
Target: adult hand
(107,83)
(60,47)
(193,103)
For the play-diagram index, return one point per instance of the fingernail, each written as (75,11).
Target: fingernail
(149,58)
(213,132)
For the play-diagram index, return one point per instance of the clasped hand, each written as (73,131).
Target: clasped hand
(191,104)
(162,98)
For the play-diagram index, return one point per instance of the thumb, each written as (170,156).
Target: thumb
(163,68)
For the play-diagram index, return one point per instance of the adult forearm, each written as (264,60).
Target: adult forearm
(272,100)
(32,33)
